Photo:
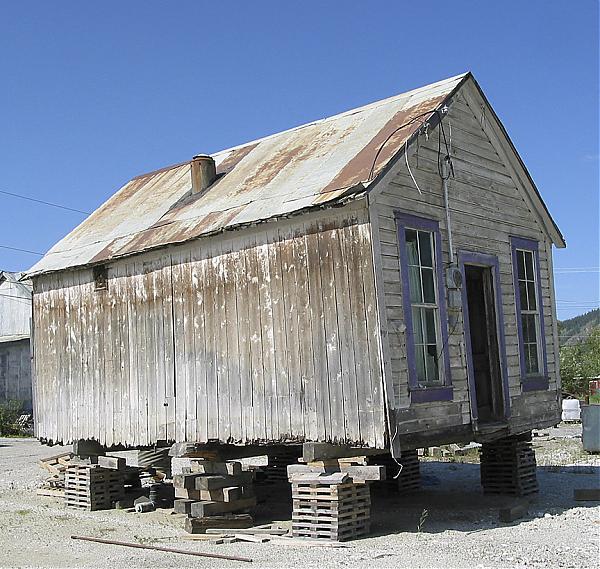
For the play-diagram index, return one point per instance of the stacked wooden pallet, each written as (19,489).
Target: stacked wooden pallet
(276,470)
(213,489)
(508,467)
(92,487)
(410,475)
(330,507)
(331,498)
(407,465)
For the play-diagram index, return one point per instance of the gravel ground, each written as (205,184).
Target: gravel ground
(460,528)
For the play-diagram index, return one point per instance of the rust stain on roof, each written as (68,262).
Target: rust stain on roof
(235,158)
(359,167)
(312,165)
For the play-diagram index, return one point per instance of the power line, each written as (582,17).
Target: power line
(28,300)
(22,250)
(44,202)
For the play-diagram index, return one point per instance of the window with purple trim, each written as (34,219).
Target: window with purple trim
(424,304)
(530,316)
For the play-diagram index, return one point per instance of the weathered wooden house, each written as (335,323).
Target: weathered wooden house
(380,278)
(15,353)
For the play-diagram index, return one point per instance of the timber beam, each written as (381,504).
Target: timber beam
(312,452)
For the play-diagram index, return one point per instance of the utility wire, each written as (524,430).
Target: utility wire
(21,250)
(28,300)
(44,202)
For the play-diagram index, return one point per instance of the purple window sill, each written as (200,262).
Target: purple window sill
(427,394)
(537,383)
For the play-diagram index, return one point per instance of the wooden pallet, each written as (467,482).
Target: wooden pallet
(330,511)
(508,467)
(410,478)
(276,470)
(92,487)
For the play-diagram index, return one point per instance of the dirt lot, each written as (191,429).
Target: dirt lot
(461,528)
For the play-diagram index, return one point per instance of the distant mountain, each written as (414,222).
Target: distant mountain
(576,330)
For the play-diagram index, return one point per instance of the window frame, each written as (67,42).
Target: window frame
(420,394)
(539,381)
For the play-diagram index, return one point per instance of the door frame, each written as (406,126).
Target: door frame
(487,261)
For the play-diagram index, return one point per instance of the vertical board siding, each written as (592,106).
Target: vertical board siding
(487,207)
(15,373)
(254,336)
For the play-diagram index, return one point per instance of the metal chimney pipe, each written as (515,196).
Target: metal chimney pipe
(204,172)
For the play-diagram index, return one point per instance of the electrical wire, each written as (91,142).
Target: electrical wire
(59,206)
(408,167)
(28,300)
(22,250)
(411,121)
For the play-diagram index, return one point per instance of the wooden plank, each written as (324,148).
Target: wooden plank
(256,349)
(334,365)
(203,509)
(305,332)
(244,338)
(269,383)
(347,302)
(285,250)
(324,451)
(280,346)
(320,383)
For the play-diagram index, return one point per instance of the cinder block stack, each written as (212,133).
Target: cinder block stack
(207,489)
(508,466)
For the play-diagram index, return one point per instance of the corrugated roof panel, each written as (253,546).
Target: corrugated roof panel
(306,166)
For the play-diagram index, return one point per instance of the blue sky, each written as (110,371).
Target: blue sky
(95,93)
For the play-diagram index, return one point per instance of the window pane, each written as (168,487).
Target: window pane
(521,264)
(411,247)
(431,363)
(529,328)
(531,359)
(417,315)
(529,265)
(414,285)
(531,295)
(425,249)
(428,286)
(420,360)
(523,295)
(430,328)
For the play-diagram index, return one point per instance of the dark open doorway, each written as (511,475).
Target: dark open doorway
(484,352)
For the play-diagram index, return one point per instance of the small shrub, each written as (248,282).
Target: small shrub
(10,411)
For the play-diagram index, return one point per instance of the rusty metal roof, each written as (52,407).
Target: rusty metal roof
(312,165)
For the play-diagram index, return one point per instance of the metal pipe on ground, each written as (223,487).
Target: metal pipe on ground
(166,549)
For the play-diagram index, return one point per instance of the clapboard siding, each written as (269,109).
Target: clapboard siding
(262,335)
(487,206)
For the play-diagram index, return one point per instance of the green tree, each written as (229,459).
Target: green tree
(579,363)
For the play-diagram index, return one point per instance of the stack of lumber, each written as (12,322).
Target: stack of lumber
(155,458)
(331,498)
(212,489)
(508,467)
(93,487)
(54,485)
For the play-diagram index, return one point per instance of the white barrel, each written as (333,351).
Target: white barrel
(571,410)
